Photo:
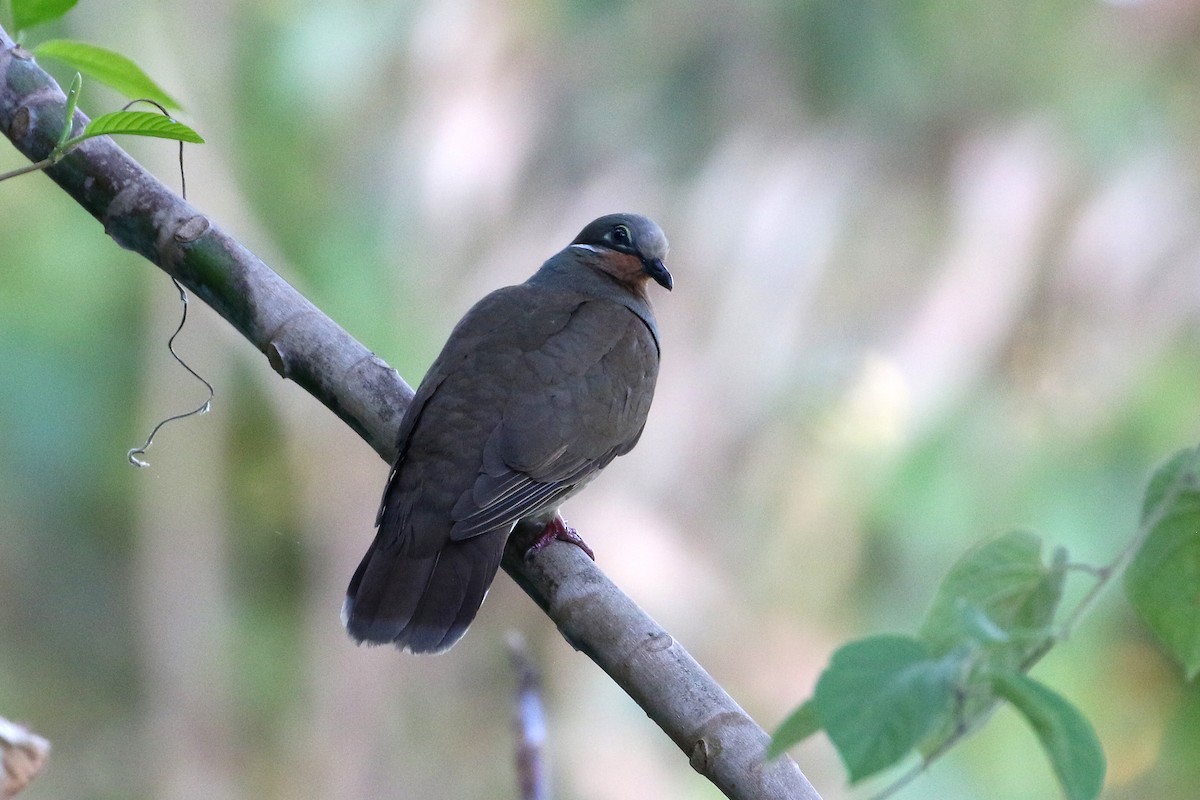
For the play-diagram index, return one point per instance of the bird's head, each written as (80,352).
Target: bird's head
(631,248)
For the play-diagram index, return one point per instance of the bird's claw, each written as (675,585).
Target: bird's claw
(557,528)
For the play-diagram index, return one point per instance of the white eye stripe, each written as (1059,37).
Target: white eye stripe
(587,247)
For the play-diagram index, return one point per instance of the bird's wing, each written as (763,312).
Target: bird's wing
(581,400)
(415,587)
(459,404)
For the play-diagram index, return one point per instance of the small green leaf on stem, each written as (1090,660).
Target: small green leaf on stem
(111,69)
(1176,476)
(27,13)
(1163,580)
(1065,734)
(800,724)
(72,104)
(139,123)
(879,697)
(999,594)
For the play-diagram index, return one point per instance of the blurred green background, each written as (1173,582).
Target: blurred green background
(936,278)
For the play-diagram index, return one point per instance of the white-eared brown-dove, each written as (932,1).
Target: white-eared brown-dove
(538,388)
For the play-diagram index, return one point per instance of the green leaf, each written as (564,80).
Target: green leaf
(999,595)
(1065,734)
(27,13)
(880,696)
(800,724)
(139,123)
(1178,471)
(1163,580)
(112,69)
(69,117)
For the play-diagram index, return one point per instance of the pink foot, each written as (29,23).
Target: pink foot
(557,529)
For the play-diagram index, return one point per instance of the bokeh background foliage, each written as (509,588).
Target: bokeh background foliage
(936,279)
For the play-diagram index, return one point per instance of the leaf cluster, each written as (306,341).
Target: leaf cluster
(107,67)
(994,616)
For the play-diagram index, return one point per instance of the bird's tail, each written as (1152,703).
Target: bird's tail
(421,604)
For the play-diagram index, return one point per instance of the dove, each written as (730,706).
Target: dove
(539,387)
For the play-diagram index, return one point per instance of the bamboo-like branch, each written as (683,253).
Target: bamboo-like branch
(303,344)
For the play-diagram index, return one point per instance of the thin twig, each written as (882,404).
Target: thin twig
(1117,567)
(203,408)
(206,406)
(45,162)
(529,724)
(167,114)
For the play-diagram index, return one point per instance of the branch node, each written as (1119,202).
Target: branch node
(700,757)
(192,229)
(657,641)
(276,348)
(20,124)
(275,359)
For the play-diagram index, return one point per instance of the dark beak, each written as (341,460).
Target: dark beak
(658,273)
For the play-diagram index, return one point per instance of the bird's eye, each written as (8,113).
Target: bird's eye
(620,235)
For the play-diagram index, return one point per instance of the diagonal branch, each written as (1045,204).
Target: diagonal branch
(303,344)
